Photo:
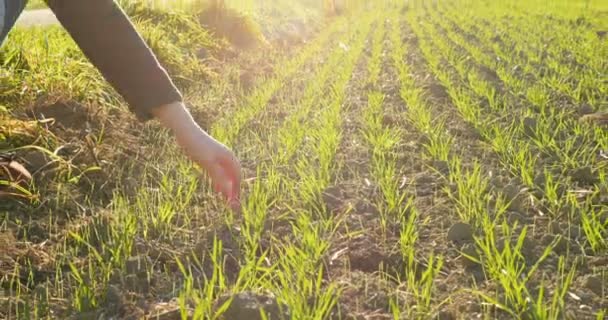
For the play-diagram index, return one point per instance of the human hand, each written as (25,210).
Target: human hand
(209,154)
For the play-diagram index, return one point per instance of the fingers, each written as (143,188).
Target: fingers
(226,179)
(220,180)
(232,169)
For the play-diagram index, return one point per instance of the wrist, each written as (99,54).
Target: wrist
(176,117)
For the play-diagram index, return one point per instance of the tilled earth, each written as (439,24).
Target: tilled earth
(363,259)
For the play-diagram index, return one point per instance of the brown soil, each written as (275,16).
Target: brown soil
(363,259)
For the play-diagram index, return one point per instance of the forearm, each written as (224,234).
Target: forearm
(109,40)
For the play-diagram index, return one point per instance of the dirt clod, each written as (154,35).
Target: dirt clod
(599,118)
(445,315)
(460,232)
(594,283)
(114,296)
(584,175)
(540,180)
(136,265)
(247,306)
(36,160)
(530,126)
(517,200)
(66,114)
(135,283)
(469,250)
(442,166)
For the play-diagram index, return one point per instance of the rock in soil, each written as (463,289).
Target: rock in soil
(459,232)
(247,306)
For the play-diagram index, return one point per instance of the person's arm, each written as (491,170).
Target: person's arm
(109,40)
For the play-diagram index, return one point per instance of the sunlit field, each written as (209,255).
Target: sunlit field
(401,160)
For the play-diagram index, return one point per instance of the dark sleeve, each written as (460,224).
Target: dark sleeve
(109,40)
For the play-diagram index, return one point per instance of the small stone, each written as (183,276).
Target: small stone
(460,231)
